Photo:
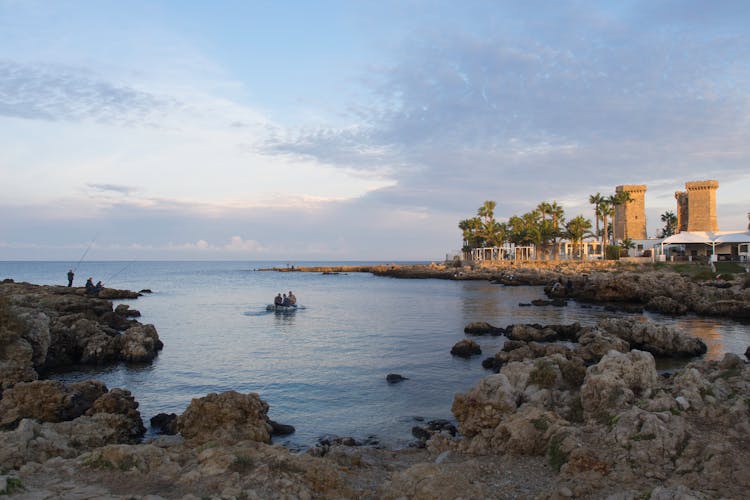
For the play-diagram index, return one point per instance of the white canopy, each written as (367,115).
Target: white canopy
(708,237)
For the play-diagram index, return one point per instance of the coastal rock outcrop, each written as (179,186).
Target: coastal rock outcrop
(657,339)
(44,327)
(227,417)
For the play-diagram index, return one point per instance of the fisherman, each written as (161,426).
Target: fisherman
(292,299)
(277,301)
(285,301)
(99,287)
(90,288)
(71,274)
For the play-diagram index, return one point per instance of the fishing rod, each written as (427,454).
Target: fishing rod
(84,253)
(121,270)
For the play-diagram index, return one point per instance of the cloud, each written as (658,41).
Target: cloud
(582,100)
(115,188)
(63,93)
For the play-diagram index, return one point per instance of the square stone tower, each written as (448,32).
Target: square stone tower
(630,217)
(701,198)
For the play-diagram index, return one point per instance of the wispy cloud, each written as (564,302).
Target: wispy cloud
(61,93)
(113,188)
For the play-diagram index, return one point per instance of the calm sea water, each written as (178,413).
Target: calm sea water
(321,369)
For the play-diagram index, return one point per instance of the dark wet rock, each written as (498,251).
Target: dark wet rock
(466,348)
(394,378)
(541,302)
(666,305)
(164,423)
(125,310)
(278,429)
(524,304)
(420,433)
(542,333)
(747,352)
(483,328)
(145,290)
(492,363)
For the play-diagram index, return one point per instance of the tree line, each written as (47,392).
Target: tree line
(546,225)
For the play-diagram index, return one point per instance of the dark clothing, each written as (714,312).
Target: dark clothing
(70,278)
(285,301)
(277,301)
(90,288)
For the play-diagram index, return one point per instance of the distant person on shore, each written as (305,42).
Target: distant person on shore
(292,299)
(285,301)
(71,274)
(277,301)
(99,287)
(90,288)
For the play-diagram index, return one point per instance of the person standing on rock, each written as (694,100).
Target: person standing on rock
(71,274)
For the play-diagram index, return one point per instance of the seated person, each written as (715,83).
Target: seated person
(285,301)
(277,301)
(292,299)
(90,288)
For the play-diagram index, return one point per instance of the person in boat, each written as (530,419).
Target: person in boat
(71,274)
(90,286)
(292,299)
(285,301)
(277,301)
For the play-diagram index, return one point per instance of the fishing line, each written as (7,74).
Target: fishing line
(84,253)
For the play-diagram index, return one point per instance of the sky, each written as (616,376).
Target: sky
(354,130)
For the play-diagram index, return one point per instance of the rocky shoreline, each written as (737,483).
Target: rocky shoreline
(566,411)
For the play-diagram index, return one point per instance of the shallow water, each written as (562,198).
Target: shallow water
(321,369)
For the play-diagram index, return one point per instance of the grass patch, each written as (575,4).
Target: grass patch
(729,268)
(12,485)
(98,462)
(243,463)
(543,374)
(555,455)
(541,423)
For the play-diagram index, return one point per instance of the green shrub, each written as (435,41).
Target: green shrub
(555,455)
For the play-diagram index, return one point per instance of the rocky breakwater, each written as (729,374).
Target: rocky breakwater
(45,327)
(663,292)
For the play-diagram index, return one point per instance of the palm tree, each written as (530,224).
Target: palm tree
(487,210)
(558,218)
(606,210)
(670,223)
(577,229)
(596,200)
(626,244)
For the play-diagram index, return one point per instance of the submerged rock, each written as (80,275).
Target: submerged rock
(394,378)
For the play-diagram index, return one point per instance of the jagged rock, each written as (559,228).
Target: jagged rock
(659,340)
(125,310)
(616,381)
(121,402)
(482,328)
(48,401)
(594,344)
(466,348)
(140,344)
(666,305)
(278,429)
(747,352)
(226,417)
(164,423)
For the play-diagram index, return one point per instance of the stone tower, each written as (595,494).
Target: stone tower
(701,201)
(682,211)
(630,217)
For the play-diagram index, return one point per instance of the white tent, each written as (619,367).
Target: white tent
(711,238)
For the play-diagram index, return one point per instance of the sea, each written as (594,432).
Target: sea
(322,368)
